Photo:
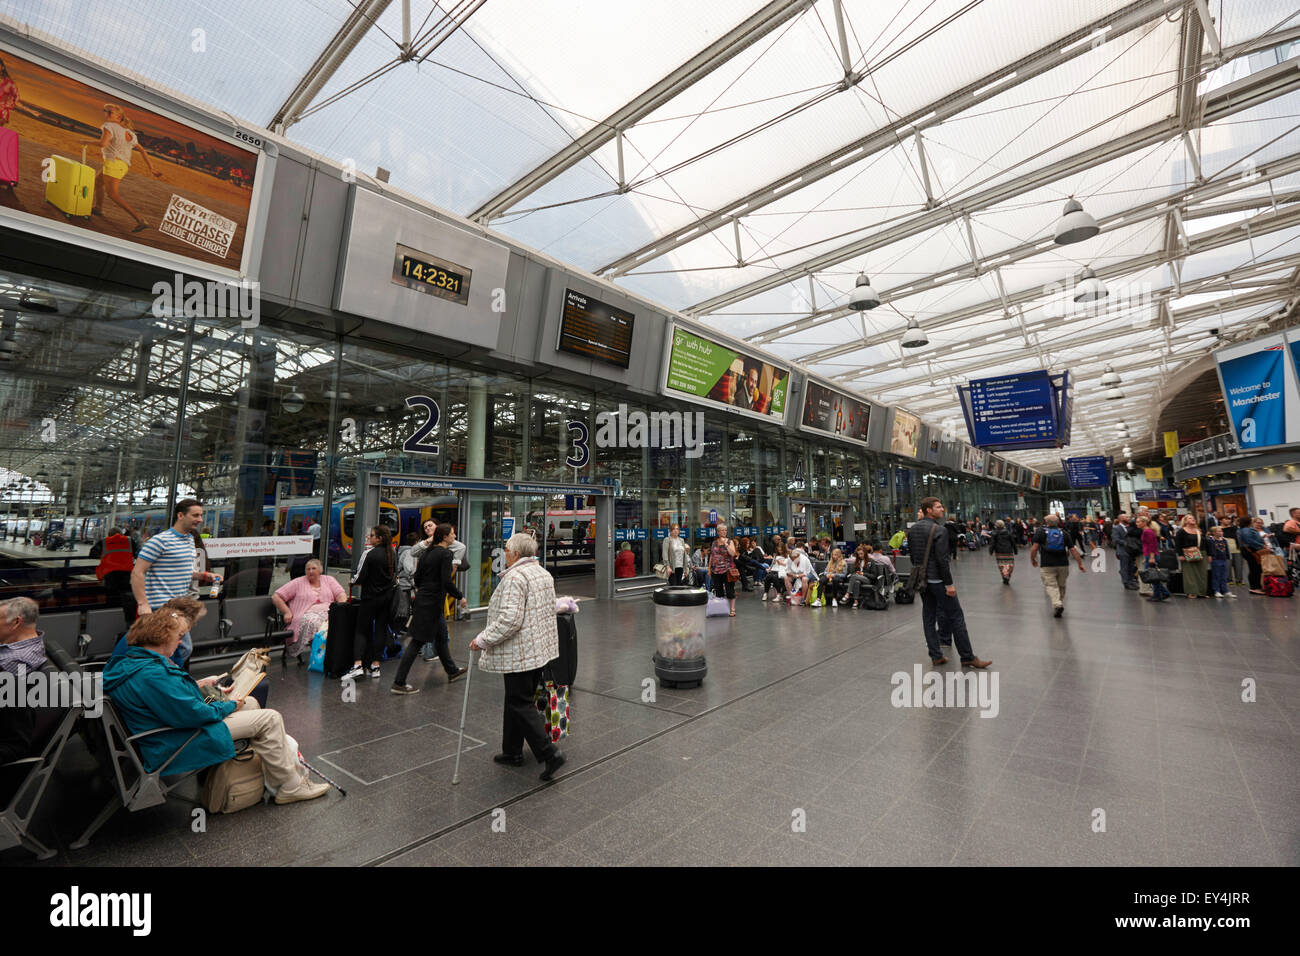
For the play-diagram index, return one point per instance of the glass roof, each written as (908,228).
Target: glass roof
(933,148)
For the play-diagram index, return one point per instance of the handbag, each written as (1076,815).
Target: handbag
(552,701)
(663,571)
(1271,563)
(916,577)
(317,663)
(733,575)
(1154,575)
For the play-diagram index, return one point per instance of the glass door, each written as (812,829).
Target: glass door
(482,530)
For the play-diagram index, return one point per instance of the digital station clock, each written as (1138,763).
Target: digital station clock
(431,275)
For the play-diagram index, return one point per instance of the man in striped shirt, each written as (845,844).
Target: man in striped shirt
(165,567)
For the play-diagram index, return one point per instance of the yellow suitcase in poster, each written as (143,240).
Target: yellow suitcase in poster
(73,188)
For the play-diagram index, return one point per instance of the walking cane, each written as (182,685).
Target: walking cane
(455,777)
(321,775)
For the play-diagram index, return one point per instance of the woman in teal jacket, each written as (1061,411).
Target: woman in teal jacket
(149,691)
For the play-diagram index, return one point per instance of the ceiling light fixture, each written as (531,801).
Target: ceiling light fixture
(1089,288)
(1075,225)
(914,336)
(1109,378)
(863,297)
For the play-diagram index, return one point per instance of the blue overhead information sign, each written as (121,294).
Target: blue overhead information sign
(1091,471)
(1012,410)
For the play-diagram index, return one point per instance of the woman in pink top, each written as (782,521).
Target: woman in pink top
(1151,551)
(304,604)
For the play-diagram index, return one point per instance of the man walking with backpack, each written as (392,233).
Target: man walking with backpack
(1057,545)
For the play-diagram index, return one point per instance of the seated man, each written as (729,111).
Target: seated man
(20,643)
(150,691)
(798,574)
(22,651)
(878,555)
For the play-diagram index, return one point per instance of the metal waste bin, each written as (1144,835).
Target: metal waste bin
(680,614)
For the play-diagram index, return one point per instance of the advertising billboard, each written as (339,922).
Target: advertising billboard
(96,167)
(704,370)
(832,412)
(1260,392)
(906,434)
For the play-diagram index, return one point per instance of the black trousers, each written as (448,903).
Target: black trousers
(942,618)
(372,629)
(521,720)
(677,578)
(428,625)
(1254,571)
(117,585)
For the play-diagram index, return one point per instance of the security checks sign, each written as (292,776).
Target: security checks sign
(1260,392)
(704,370)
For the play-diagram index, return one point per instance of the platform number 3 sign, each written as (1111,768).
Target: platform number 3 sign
(416,443)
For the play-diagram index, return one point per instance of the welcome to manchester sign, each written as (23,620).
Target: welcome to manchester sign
(1260,391)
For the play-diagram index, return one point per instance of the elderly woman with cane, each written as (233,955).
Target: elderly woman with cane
(520,639)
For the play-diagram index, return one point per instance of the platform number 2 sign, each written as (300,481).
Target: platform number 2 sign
(416,443)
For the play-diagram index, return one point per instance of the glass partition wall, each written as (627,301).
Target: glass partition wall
(111,412)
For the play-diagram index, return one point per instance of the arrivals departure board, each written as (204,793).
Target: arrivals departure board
(595,329)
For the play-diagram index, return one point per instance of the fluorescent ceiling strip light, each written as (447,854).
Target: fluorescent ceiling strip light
(1090,38)
(984,89)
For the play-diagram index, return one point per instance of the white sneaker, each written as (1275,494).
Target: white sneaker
(817,603)
(1229,595)
(306,790)
(764,596)
(834,603)
(1218,596)
(353,674)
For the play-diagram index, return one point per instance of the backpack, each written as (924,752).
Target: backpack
(903,595)
(874,599)
(1055,539)
(1277,586)
(234,785)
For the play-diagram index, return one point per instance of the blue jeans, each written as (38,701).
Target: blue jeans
(943,620)
(1158,590)
(1219,576)
(183,650)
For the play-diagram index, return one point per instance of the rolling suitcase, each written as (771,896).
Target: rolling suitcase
(1175,582)
(1168,560)
(565,667)
(8,157)
(340,639)
(73,188)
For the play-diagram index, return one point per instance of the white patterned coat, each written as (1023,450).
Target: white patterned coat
(521,634)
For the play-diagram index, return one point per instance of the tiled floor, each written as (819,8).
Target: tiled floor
(792,752)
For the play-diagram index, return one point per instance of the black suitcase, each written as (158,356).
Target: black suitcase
(1168,560)
(341,639)
(565,667)
(1175,582)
